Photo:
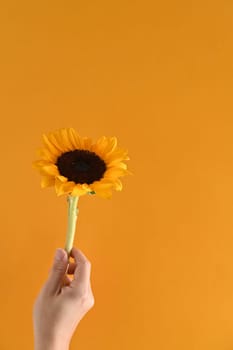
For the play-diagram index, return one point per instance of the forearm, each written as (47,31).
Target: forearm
(44,344)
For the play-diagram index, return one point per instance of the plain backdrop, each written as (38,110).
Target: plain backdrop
(158,75)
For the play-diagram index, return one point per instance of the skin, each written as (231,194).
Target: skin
(62,301)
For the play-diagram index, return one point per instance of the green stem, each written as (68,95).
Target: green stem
(72,218)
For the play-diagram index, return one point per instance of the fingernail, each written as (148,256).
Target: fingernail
(60,255)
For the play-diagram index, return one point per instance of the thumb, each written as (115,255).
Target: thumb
(57,271)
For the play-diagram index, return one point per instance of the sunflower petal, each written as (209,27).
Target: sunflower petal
(118,165)
(66,139)
(100,145)
(62,139)
(62,178)
(86,187)
(67,187)
(87,143)
(115,172)
(114,162)
(78,190)
(101,185)
(47,181)
(75,139)
(43,173)
(51,169)
(112,144)
(55,139)
(50,146)
(46,155)
(63,187)
(104,180)
(58,186)
(40,163)
(104,193)
(117,155)
(118,185)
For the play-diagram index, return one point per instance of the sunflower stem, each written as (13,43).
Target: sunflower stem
(72,218)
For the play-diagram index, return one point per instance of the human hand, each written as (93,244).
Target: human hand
(62,302)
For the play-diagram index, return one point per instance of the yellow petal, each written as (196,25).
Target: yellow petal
(67,187)
(115,172)
(56,141)
(118,185)
(50,146)
(43,173)
(59,134)
(120,165)
(112,144)
(58,186)
(86,187)
(114,162)
(62,178)
(75,139)
(51,169)
(40,163)
(101,185)
(99,146)
(104,193)
(47,181)
(66,141)
(87,142)
(78,190)
(117,155)
(104,146)
(46,155)
(36,166)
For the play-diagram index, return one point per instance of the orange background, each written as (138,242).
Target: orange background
(159,76)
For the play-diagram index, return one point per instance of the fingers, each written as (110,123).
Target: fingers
(57,272)
(66,280)
(71,268)
(58,276)
(82,270)
(78,255)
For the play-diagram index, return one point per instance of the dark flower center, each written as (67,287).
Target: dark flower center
(81,166)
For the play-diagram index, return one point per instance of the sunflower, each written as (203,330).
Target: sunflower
(77,166)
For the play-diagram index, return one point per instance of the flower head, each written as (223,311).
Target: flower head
(77,166)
